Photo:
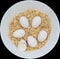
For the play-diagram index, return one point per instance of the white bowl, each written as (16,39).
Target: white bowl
(22,6)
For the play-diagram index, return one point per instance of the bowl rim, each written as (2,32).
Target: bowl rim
(30,55)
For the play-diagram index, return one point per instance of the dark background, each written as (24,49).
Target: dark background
(5,4)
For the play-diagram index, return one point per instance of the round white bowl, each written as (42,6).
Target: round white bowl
(20,7)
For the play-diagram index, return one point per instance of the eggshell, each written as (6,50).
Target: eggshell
(32,41)
(24,22)
(19,33)
(22,45)
(42,35)
(36,22)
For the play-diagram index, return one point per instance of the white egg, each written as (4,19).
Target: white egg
(24,22)
(19,33)
(42,35)
(36,21)
(32,41)
(22,45)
